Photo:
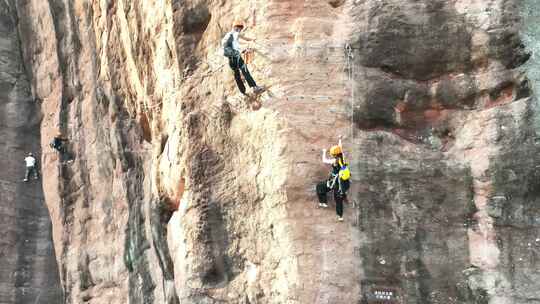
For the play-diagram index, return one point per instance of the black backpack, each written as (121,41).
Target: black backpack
(228,50)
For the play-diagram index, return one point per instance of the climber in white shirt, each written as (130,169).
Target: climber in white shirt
(232,50)
(30,162)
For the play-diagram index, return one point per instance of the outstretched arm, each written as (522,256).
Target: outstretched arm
(241,36)
(341,145)
(326,160)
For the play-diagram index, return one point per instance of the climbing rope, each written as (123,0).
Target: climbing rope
(350,78)
(208,73)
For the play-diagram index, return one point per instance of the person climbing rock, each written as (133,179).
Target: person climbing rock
(58,143)
(232,50)
(338,180)
(30,162)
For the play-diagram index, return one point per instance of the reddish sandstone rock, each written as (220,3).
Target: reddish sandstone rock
(182,191)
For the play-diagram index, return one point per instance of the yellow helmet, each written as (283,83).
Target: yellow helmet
(238,23)
(335,150)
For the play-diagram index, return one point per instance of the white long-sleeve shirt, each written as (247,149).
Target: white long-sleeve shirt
(330,161)
(235,42)
(325,160)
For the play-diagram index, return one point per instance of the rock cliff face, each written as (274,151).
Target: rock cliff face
(176,189)
(28,269)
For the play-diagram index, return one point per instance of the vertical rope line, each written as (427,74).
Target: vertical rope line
(352,93)
(350,78)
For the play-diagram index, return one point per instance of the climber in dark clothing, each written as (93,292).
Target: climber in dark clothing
(231,47)
(338,181)
(58,143)
(237,64)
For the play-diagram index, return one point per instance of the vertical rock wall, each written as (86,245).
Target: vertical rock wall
(174,190)
(28,269)
(450,92)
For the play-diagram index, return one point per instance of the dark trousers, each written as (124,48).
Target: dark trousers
(31,170)
(322,190)
(59,147)
(237,64)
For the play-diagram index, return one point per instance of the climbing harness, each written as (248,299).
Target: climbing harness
(330,183)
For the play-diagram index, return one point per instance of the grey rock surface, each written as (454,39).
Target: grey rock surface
(180,190)
(28,268)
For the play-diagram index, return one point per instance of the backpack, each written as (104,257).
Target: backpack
(344,172)
(228,50)
(341,178)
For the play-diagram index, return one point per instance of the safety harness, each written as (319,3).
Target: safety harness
(343,175)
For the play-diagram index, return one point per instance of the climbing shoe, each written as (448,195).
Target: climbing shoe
(258,90)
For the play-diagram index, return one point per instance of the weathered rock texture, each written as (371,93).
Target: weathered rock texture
(180,192)
(451,88)
(28,269)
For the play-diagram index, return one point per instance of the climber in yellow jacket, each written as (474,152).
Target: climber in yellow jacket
(338,180)
(232,50)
